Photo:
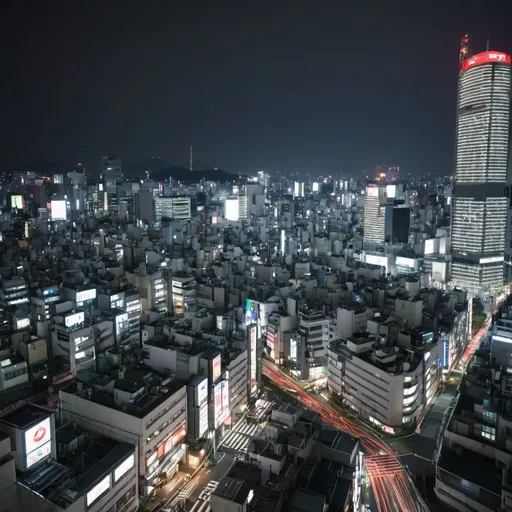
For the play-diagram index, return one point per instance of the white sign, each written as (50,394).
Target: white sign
(97,491)
(125,466)
(373,259)
(21,323)
(231,211)
(501,57)
(495,259)
(39,454)
(203,419)
(76,318)
(86,295)
(202,391)
(59,210)
(406,262)
(38,435)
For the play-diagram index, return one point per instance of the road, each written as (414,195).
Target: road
(391,485)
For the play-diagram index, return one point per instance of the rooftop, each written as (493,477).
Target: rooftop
(25,416)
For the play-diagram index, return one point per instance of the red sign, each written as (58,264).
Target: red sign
(179,435)
(39,434)
(485,58)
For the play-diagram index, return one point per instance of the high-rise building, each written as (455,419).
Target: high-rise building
(111,170)
(480,202)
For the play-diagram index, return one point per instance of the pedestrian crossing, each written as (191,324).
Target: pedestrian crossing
(240,438)
(203,504)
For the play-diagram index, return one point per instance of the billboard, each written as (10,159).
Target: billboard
(86,295)
(372,191)
(373,259)
(216,370)
(17,201)
(253,338)
(405,262)
(390,191)
(251,312)
(202,391)
(38,454)
(125,466)
(315,186)
(485,58)
(446,358)
(231,209)
(76,318)
(98,490)
(59,210)
(203,419)
(221,402)
(38,435)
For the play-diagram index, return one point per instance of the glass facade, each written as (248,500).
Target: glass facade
(480,205)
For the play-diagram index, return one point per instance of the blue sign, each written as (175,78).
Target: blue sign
(446,353)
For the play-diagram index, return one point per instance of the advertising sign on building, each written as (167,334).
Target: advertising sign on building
(37,436)
(38,454)
(85,295)
(202,391)
(251,312)
(216,368)
(253,331)
(98,490)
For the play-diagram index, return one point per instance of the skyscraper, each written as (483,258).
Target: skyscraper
(481,202)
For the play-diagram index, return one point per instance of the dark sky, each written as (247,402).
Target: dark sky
(309,85)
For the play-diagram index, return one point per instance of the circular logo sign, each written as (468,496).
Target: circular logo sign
(39,434)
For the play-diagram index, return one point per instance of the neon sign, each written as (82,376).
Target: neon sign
(485,58)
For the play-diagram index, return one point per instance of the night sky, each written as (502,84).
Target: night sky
(313,86)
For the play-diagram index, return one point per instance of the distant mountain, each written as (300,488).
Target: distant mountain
(135,169)
(181,174)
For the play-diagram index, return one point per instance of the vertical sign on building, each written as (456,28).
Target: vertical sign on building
(253,331)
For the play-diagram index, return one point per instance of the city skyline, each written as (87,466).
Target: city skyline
(335,89)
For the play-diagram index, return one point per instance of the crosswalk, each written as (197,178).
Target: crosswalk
(203,504)
(240,438)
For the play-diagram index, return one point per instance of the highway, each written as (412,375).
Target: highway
(392,487)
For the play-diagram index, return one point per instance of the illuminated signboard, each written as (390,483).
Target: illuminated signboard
(446,362)
(179,435)
(390,191)
(217,401)
(125,466)
(86,295)
(251,312)
(22,323)
(202,391)
(225,399)
(76,318)
(151,459)
(231,211)
(253,354)
(59,210)
(216,368)
(98,490)
(203,419)
(315,186)
(405,262)
(485,58)
(17,202)
(38,454)
(37,436)
(372,191)
(373,259)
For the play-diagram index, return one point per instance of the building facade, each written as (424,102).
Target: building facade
(480,203)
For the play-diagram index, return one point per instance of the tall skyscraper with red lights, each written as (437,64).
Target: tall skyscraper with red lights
(481,202)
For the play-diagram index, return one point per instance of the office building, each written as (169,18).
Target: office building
(480,202)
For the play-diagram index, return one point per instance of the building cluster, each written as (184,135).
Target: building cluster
(141,309)
(473,464)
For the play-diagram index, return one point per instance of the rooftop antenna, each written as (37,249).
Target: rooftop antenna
(190,160)
(464,49)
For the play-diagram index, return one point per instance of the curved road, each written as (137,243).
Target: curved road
(392,487)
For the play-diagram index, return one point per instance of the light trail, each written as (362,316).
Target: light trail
(392,488)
